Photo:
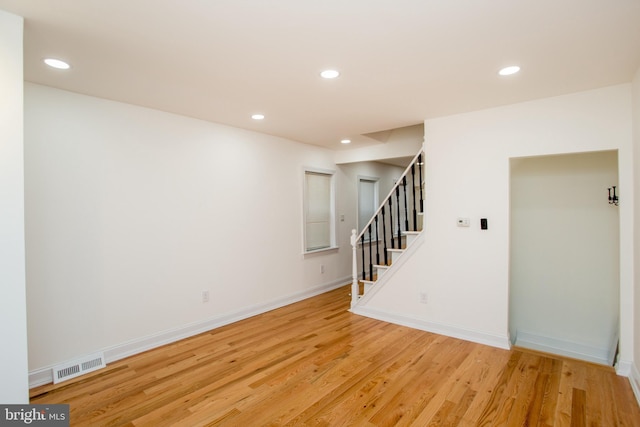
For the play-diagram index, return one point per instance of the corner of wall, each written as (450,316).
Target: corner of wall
(633,371)
(634,375)
(13,319)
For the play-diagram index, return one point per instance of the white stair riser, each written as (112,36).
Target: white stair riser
(380,271)
(395,256)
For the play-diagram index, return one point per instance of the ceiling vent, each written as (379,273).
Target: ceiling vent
(78,367)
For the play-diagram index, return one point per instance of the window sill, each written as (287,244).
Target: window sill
(320,251)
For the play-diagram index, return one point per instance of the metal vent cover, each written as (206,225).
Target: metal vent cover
(78,367)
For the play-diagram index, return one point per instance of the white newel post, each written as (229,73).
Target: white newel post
(354,284)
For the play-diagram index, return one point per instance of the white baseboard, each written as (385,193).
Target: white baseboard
(634,379)
(40,377)
(629,369)
(623,368)
(500,341)
(44,375)
(601,355)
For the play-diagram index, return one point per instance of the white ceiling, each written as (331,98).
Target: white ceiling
(402,61)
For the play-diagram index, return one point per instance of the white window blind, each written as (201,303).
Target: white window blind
(318,207)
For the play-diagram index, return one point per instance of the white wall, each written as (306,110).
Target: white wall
(13,320)
(465,271)
(131,213)
(564,279)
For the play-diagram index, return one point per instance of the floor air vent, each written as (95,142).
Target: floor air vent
(78,367)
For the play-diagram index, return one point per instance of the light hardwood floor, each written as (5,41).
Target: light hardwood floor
(314,363)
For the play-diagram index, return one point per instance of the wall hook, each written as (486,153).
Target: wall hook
(613,198)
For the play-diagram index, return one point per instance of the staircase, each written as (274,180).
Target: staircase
(390,232)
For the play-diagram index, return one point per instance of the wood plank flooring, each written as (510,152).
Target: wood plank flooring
(314,363)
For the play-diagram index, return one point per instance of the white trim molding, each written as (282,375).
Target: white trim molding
(623,368)
(634,379)
(479,337)
(600,355)
(44,376)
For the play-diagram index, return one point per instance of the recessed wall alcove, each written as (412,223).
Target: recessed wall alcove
(564,255)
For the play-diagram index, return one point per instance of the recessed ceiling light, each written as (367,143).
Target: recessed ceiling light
(345,141)
(257,116)
(330,74)
(507,71)
(56,63)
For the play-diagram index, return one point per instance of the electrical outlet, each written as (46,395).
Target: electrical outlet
(205,296)
(322,269)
